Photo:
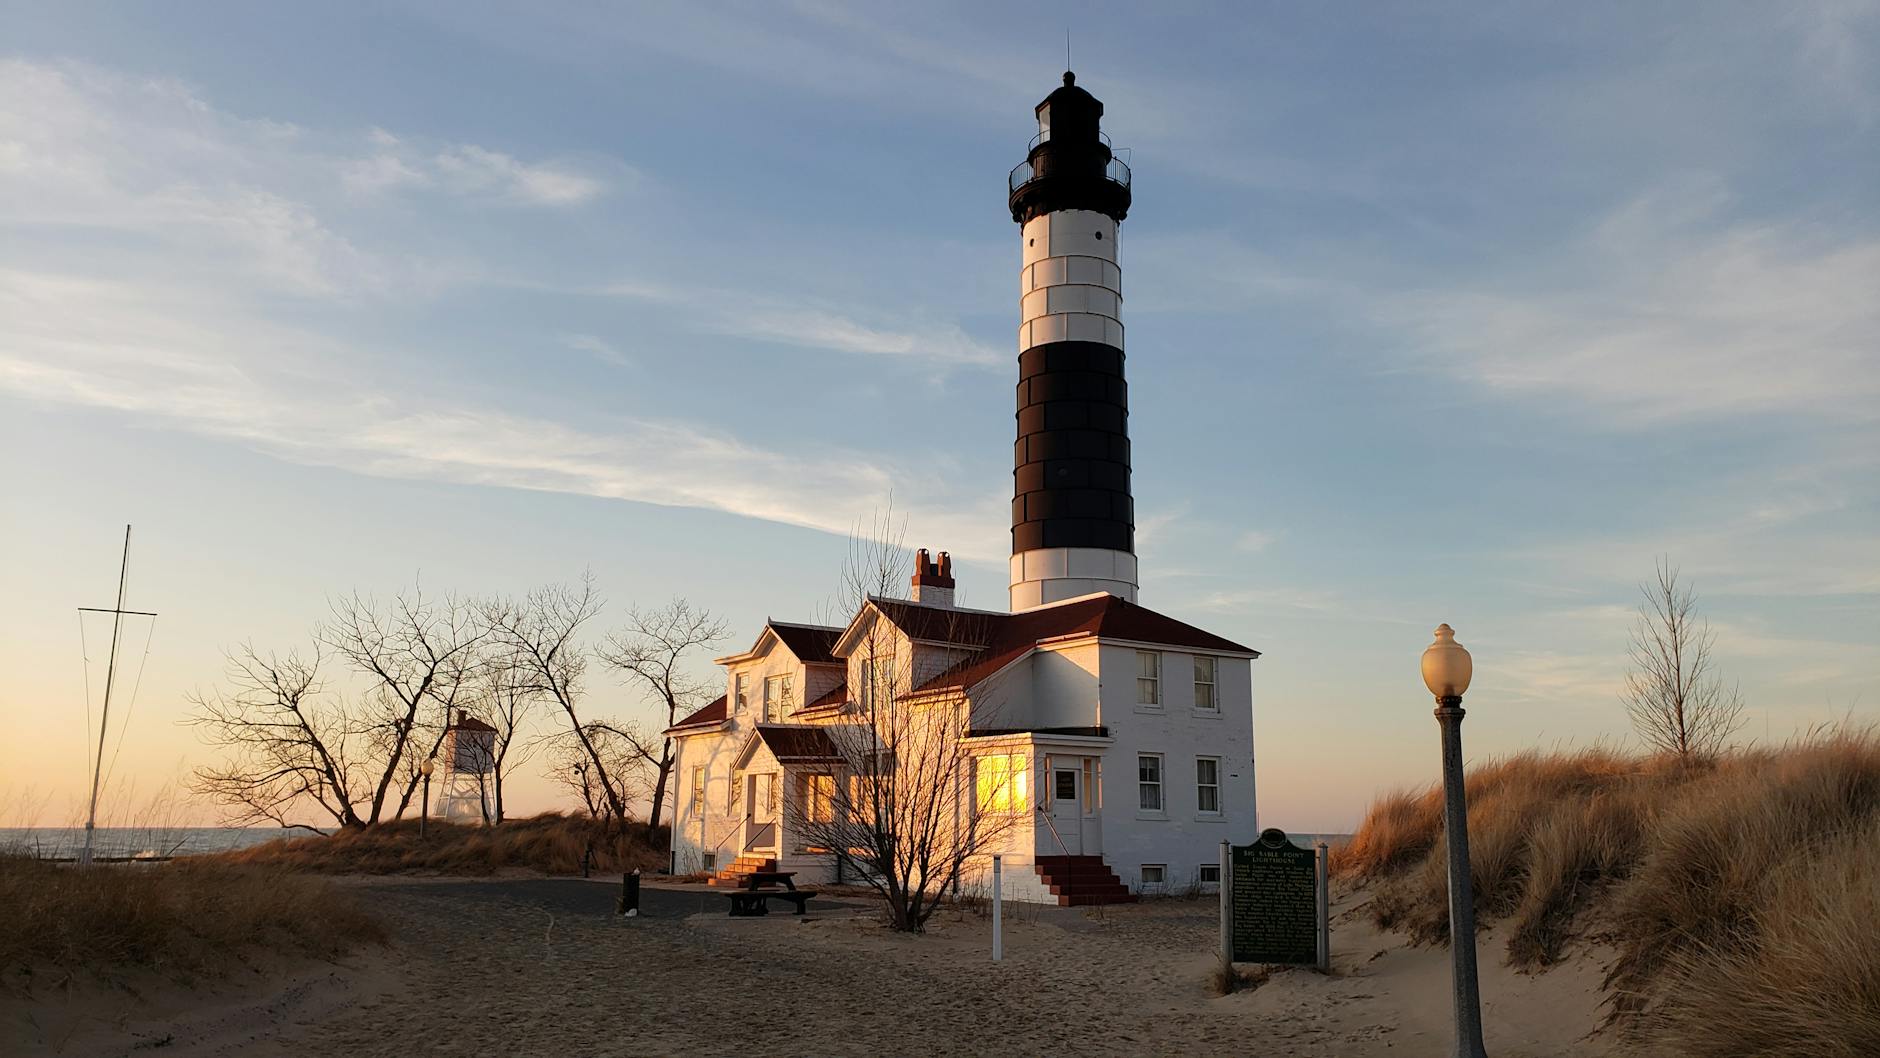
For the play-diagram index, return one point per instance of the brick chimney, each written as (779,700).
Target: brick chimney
(933,579)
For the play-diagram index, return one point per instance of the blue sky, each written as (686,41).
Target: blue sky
(1437,313)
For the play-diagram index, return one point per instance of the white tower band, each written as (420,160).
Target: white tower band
(1073,520)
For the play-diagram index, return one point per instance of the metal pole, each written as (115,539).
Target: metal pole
(1466,988)
(998,908)
(1325,906)
(1227,906)
(104,719)
(630,894)
(424,816)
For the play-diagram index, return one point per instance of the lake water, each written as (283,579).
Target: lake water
(65,842)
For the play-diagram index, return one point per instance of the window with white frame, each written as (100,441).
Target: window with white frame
(819,796)
(1154,875)
(1209,875)
(1149,782)
(779,697)
(1148,678)
(1208,785)
(734,801)
(876,674)
(698,791)
(711,861)
(742,696)
(1204,684)
(999,780)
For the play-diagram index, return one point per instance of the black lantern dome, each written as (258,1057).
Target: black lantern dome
(1070,165)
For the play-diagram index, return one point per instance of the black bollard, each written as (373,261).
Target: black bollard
(587,860)
(629,903)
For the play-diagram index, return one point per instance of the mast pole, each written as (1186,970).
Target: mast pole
(104,720)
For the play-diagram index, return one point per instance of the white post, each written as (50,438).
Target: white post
(1227,906)
(998,907)
(1325,907)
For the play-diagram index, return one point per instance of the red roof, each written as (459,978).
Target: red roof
(810,643)
(797,743)
(710,716)
(835,696)
(1104,616)
(466,722)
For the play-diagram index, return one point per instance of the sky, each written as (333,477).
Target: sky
(1437,312)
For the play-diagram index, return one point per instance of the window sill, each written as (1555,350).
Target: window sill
(1159,816)
(1210,817)
(1155,709)
(1210,714)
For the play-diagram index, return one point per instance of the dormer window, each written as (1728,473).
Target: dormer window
(742,700)
(779,697)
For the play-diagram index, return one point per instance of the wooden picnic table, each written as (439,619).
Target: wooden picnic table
(769,879)
(753,896)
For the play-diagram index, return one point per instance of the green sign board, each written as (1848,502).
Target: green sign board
(1273,913)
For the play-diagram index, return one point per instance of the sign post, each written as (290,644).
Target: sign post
(1325,906)
(1227,905)
(998,907)
(1273,907)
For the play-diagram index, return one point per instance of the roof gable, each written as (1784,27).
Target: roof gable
(1102,616)
(702,719)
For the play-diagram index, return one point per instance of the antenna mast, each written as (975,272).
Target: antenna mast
(110,674)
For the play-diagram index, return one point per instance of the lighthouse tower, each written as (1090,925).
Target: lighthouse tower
(1073,520)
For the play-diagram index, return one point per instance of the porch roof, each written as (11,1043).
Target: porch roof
(798,743)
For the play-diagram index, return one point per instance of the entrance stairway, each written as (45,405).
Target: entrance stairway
(741,868)
(1080,880)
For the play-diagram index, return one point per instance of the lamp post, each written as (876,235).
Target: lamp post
(424,816)
(1446,671)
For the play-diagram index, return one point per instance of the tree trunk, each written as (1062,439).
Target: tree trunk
(659,788)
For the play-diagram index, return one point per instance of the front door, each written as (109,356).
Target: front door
(761,808)
(1067,809)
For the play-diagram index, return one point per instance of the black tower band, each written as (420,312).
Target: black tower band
(1071,461)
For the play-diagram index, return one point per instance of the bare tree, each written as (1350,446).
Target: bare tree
(541,632)
(901,807)
(1677,701)
(907,805)
(286,741)
(509,699)
(653,651)
(418,653)
(623,757)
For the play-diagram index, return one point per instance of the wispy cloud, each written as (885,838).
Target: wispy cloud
(156,176)
(1660,313)
(763,316)
(601,348)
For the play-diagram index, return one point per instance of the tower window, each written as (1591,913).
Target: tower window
(1099,236)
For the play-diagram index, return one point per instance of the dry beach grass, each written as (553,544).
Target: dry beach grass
(550,843)
(182,918)
(1740,894)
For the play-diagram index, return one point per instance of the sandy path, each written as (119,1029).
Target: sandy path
(488,972)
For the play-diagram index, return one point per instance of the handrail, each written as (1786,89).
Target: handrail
(1116,171)
(1069,880)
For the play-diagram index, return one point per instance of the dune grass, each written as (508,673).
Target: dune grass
(182,918)
(550,843)
(1741,895)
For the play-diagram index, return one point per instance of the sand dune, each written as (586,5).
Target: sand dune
(495,970)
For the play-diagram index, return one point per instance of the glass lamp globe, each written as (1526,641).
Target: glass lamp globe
(1447,665)
(430,765)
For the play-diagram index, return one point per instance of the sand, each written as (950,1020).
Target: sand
(487,970)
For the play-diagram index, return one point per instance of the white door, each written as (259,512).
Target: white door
(763,793)
(1067,811)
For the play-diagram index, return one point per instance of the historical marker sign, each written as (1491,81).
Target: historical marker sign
(1274,908)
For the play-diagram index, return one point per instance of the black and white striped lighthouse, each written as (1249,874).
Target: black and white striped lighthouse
(1073,521)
